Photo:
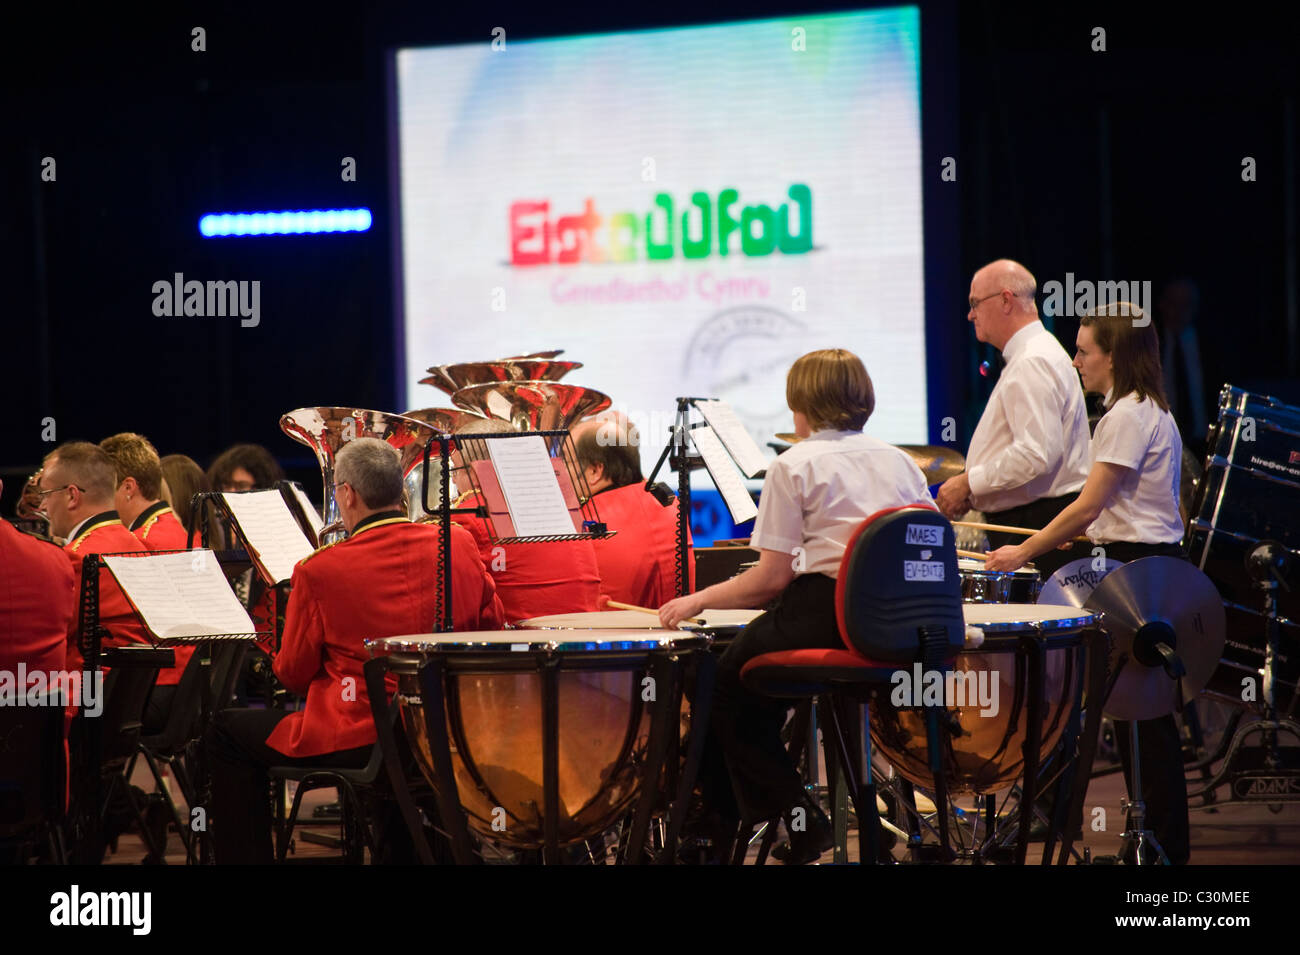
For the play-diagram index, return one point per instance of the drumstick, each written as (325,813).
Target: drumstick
(622,606)
(971,554)
(1004,529)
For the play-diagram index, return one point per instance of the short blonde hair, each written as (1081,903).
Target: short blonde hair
(135,457)
(832,389)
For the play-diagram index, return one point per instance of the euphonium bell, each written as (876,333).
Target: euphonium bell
(452,378)
(326,430)
(533,405)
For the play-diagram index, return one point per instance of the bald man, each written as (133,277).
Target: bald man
(1029,456)
(638,565)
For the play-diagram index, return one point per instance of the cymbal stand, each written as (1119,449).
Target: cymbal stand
(1136,832)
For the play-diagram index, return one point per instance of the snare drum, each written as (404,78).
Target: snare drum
(999,587)
(512,697)
(986,697)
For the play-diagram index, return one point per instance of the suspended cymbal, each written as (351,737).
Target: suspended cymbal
(789,437)
(452,378)
(1074,582)
(937,463)
(449,420)
(1158,599)
(532,405)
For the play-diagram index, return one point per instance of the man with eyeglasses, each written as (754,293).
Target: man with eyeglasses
(1028,458)
(76,488)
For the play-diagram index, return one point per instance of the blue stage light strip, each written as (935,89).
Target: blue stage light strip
(284,223)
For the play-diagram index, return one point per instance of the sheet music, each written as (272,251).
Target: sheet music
(269,529)
(724,474)
(531,489)
(181,595)
(313,516)
(739,443)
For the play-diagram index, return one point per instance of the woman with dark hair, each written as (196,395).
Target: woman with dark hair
(814,497)
(244,467)
(1129,508)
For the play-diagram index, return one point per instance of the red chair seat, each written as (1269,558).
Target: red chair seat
(810,672)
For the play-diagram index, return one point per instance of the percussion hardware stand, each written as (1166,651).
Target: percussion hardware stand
(1136,832)
(1098,689)
(550,679)
(681,459)
(374,671)
(701,707)
(666,703)
(1268,564)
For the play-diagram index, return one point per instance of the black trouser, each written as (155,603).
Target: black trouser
(1037,515)
(746,725)
(238,759)
(158,709)
(1164,785)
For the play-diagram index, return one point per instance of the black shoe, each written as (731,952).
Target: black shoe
(158,818)
(810,833)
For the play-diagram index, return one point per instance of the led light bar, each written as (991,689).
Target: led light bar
(305,222)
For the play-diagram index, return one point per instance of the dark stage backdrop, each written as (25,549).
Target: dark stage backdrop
(1123,164)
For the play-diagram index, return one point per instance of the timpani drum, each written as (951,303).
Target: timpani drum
(511,698)
(1000,587)
(987,698)
(721,626)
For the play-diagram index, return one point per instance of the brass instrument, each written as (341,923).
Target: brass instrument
(449,420)
(532,405)
(452,378)
(29,504)
(326,430)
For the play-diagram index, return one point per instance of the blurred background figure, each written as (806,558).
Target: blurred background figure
(1180,347)
(244,467)
(182,479)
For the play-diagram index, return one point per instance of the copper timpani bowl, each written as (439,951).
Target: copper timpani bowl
(984,753)
(495,690)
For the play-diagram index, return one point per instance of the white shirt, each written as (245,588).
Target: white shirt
(1032,440)
(1143,439)
(816,494)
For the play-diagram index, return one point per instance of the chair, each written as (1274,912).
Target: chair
(898,602)
(33,774)
(356,785)
(203,687)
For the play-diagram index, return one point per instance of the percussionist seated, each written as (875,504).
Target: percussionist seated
(638,564)
(814,497)
(380,581)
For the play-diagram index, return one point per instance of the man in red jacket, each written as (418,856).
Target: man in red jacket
(36,602)
(76,487)
(151,520)
(139,493)
(380,581)
(638,564)
(536,579)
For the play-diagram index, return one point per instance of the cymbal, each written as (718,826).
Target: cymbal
(1158,599)
(936,463)
(452,378)
(789,437)
(1074,582)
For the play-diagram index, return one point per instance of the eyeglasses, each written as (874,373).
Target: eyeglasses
(53,490)
(975,303)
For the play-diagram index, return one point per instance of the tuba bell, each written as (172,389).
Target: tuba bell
(452,378)
(326,430)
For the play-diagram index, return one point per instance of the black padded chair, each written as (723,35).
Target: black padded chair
(898,602)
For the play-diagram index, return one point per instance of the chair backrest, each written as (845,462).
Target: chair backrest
(32,769)
(898,587)
(133,670)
